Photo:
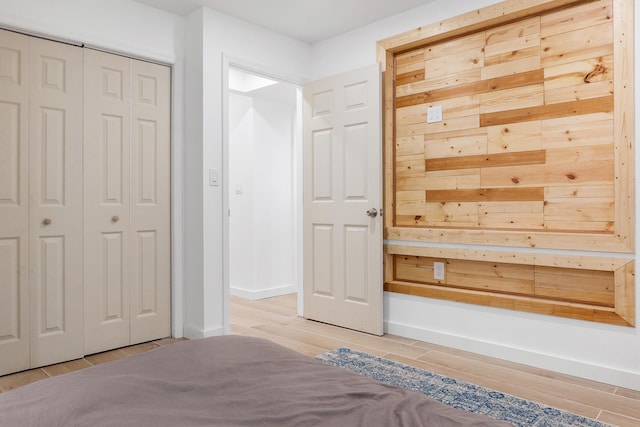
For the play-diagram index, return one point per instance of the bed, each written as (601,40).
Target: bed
(223,381)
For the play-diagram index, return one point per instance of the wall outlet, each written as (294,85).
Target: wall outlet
(438,270)
(434,114)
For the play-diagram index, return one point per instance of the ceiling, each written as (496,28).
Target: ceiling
(306,20)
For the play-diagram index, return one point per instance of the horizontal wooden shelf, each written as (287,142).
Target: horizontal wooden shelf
(578,286)
(511,302)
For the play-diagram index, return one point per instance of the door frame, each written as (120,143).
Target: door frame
(229,61)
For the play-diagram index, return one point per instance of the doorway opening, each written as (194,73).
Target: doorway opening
(263,142)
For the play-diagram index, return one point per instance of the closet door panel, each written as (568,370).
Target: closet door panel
(150,202)
(14,208)
(106,201)
(55,202)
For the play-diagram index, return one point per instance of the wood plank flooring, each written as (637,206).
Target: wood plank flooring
(11,381)
(276,319)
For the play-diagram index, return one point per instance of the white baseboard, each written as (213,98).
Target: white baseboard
(576,368)
(265,293)
(196,333)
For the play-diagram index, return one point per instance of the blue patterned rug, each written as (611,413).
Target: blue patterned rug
(455,393)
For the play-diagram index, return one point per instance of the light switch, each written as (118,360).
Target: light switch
(214,177)
(434,114)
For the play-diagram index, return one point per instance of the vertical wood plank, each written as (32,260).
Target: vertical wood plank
(624,119)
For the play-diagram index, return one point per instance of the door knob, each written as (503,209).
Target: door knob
(115,218)
(372,212)
(46,221)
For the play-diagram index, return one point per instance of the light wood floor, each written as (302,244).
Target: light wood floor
(275,319)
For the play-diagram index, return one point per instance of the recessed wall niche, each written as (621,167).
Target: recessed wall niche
(533,149)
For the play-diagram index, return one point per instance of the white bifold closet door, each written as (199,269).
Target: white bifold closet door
(55,202)
(150,186)
(41,308)
(84,202)
(14,202)
(106,201)
(126,201)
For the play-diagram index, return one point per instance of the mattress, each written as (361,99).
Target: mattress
(223,381)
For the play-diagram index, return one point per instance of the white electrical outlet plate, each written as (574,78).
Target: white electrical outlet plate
(434,114)
(438,270)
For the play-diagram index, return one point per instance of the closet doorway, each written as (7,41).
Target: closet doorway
(263,188)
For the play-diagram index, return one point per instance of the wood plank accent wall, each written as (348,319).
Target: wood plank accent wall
(534,150)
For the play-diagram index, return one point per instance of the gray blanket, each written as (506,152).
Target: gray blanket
(222,381)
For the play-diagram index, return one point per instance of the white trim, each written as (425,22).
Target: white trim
(195,333)
(265,293)
(298,189)
(251,66)
(177,200)
(576,368)
(226,265)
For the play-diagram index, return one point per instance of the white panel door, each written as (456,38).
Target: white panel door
(14,203)
(55,202)
(342,188)
(127,201)
(106,201)
(150,202)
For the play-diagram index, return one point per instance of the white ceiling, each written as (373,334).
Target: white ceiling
(306,20)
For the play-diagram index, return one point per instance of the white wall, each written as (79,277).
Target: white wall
(602,352)
(261,200)
(132,29)
(214,39)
